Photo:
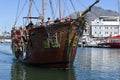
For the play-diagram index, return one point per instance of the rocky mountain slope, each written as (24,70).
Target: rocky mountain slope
(95,13)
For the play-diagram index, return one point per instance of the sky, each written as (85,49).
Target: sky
(9,8)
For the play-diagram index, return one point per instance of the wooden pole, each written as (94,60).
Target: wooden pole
(43,8)
(60,10)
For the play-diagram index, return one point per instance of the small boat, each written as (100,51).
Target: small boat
(52,45)
(111,41)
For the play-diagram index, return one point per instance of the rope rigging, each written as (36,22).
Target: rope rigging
(64,11)
(17,16)
(17,12)
(52,9)
(32,2)
(67,8)
(29,12)
(54,13)
(56,6)
(72,5)
(30,7)
(36,8)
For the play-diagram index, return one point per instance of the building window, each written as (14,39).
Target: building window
(115,27)
(115,33)
(110,32)
(106,32)
(106,27)
(95,27)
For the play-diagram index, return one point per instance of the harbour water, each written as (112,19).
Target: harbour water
(90,64)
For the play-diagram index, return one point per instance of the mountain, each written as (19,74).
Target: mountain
(95,13)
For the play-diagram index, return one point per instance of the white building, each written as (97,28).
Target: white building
(105,26)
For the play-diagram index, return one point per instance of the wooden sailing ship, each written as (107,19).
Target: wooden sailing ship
(52,45)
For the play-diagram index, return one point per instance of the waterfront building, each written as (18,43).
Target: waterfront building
(5,37)
(105,26)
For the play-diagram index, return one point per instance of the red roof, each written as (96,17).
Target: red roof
(118,36)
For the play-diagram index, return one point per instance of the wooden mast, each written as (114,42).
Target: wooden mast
(43,8)
(30,9)
(60,10)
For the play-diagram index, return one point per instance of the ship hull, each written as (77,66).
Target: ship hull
(53,46)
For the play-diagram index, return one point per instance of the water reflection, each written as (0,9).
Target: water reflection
(106,60)
(23,72)
(98,63)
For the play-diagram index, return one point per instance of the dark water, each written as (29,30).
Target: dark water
(90,64)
